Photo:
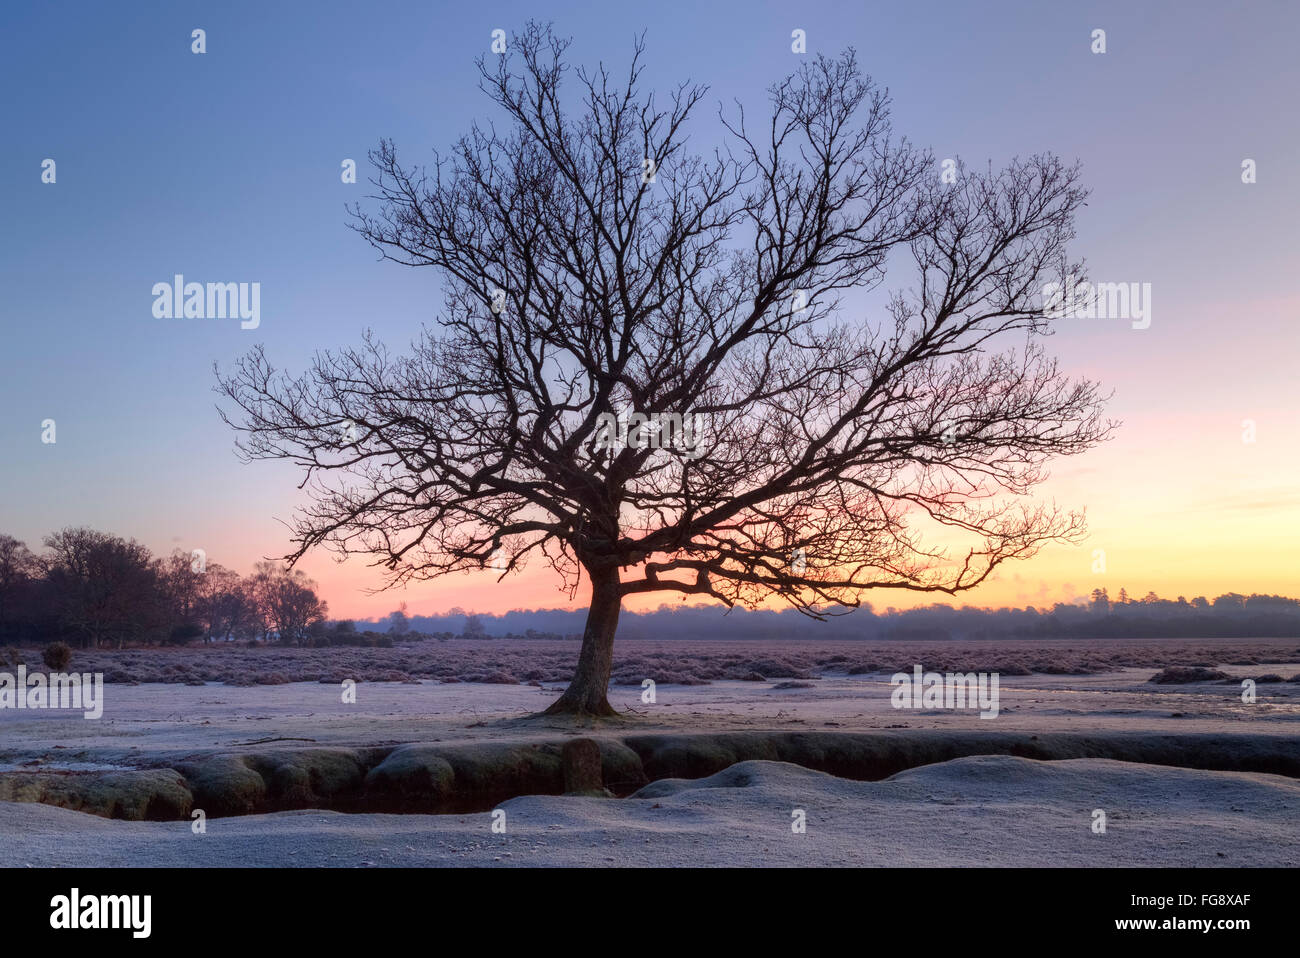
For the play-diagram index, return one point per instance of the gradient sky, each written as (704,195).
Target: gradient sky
(225,167)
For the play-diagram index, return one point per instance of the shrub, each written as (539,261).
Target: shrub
(185,633)
(56,656)
(1181,675)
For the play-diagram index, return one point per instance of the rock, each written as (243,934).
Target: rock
(623,772)
(309,778)
(224,785)
(580,760)
(133,794)
(411,777)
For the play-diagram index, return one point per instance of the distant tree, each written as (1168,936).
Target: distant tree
(261,586)
(106,589)
(1100,601)
(224,604)
(18,568)
(398,622)
(579,287)
(183,585)
(1269,603)
(1123,597)
(289,601)
(474,627)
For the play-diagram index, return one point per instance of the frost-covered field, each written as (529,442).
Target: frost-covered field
(262,706)
(508,662)
(472,690)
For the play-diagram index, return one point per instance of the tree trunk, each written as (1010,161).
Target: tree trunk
(586,694)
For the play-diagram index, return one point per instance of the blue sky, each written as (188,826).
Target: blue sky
(225,167)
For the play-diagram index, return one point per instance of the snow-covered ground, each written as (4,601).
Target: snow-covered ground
(984,810)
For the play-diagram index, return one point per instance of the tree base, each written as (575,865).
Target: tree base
(581,708)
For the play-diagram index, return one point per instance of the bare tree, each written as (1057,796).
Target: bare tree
(593,268)
(288,601)
(106,588)
(399,623)
(183,586)
(19,567)
(224,605)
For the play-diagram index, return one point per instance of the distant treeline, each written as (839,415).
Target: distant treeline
(93,589)
(90,588)
(1226,616)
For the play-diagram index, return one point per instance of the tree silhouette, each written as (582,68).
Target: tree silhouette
(107,589)
(592,268)
(19,567)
